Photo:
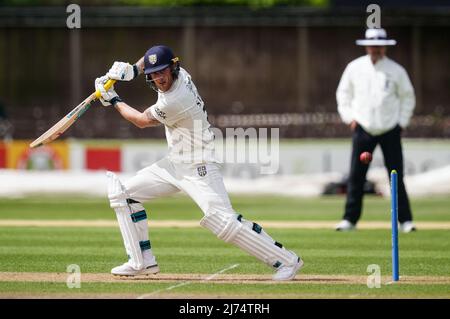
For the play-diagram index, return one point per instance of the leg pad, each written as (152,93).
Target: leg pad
(250,237)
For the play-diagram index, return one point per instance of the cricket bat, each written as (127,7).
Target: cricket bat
(67,121)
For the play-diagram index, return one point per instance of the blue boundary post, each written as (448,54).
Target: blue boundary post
(394,221)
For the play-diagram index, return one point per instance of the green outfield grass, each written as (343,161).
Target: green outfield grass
(216,290)
(252,207)
(197,251)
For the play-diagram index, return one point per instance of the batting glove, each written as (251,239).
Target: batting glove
(122,71)
(108,96)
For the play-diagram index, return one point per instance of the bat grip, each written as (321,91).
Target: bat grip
(107,86)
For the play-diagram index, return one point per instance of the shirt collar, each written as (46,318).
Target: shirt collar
(379,62)
(173,87)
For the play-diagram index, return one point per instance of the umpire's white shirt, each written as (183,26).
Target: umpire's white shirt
(377,96)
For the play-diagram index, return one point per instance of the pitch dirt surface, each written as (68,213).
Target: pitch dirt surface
(222,278)
(178,280)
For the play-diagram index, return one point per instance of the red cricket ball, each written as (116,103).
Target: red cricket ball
(365,157)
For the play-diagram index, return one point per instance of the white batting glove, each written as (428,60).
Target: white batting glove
(108,97)
(122,71)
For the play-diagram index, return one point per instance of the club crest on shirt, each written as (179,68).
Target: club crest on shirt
(201,170)
(152,58)
(160,113)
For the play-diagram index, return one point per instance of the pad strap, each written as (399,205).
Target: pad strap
(250,237)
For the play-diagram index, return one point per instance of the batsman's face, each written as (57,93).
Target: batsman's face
(163,79)
(376,52)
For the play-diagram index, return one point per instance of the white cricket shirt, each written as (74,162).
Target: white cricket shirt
(181,110)
(378,96)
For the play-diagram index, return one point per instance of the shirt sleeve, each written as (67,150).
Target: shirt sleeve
(407,99)
(344,95)
(165,112)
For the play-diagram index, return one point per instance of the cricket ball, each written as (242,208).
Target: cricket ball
(365,157)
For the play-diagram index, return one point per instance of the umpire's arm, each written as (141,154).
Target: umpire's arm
(407,99)
(344,96)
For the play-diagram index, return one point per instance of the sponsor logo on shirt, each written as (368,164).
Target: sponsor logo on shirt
(160,113)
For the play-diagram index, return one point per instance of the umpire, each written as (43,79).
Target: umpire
(376,99)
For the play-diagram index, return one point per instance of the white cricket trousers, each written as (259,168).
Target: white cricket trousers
(202,182)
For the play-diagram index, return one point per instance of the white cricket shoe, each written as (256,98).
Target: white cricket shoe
(345,225)
(407,227)
(285,273)
(127,270)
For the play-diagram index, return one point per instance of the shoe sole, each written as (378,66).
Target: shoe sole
(151,270)
(298,268)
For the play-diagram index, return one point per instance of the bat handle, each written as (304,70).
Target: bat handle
(107,86)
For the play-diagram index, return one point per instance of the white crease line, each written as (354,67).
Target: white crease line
(187,282)
(393,282)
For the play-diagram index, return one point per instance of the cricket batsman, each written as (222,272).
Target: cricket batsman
(190,166)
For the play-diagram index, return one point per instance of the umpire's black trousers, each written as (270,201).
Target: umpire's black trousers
(391,147)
